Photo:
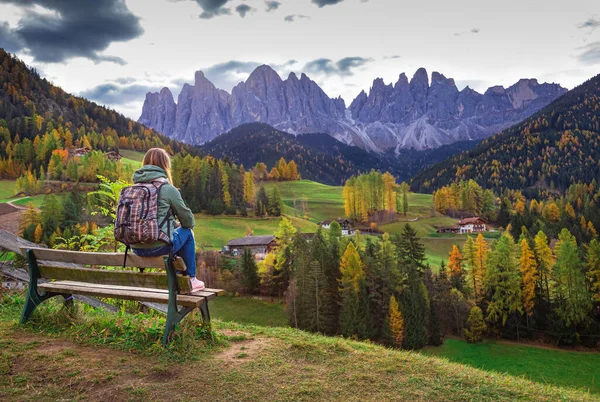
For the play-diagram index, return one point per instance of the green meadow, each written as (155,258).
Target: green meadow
(548,366)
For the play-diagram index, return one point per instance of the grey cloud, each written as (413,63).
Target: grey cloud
(590,23)
(77,28)
(396,56)
(590,54)
(213,8)
(243,9)
(9,40)
(272,5)
(294,17)
(342,67)
(323,3)
(475,30)
(114,94)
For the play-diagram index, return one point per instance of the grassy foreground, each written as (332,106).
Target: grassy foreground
(94,357)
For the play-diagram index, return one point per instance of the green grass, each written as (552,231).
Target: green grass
(548,366)
(246,310)
(97,355)
(324,202)
(7,190)
(213,232)
(132,158)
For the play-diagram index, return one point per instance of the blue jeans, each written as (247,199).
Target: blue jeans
(183,245)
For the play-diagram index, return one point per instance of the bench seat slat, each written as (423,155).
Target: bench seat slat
(147,296)
(202,293)
(87,258)
(152,280)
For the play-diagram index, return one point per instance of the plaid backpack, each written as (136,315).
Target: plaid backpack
(137,215)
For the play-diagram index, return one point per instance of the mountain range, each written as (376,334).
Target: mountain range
(411,114)
(553,149)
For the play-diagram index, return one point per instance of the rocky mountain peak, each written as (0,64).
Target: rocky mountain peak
(413,113)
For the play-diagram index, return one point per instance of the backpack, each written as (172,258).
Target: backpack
(137,215)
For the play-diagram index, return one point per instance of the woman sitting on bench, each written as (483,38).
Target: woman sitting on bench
(157,168)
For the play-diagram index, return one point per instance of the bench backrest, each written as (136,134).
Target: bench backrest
(73,266)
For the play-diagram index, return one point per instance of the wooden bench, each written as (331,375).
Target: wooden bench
(81,273)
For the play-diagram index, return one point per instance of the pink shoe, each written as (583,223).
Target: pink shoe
(197,285)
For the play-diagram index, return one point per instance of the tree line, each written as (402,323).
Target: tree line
(371,193)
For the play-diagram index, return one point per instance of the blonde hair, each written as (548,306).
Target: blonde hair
(159,157)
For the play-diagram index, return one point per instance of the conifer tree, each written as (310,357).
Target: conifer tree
(455,267)
(414,309)
(545,261)
(572,297)
(502,281)
(435,329)
(250,278)
(481,254)
(352,276)
(529,276)
(593,268)
(396,322)
(262,202)
(275,204)
(30,217)
(475,326)
(410,249)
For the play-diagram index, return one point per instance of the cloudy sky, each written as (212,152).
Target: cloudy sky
(114,51)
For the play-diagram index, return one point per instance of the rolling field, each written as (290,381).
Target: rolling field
(213,232)
(132,158)
(245,310)
(547,366)
(7,190)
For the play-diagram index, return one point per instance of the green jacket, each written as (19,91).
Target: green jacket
(168,199)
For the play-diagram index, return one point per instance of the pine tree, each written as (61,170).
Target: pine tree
(593,268)
(275,204)
(38,234)
(529,276)
(455,267)
(396,322)
(30,217)
(352,276)
(475,326)
(502,281)
(545,261)
(414,309)
(480,267)
(262,202)
(250,278)
(410,248)
(572,297)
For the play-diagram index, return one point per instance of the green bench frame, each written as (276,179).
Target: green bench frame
(71,276)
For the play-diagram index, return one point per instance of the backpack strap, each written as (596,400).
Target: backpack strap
(127,248)
(169,212)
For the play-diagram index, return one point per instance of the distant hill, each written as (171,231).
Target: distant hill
(29,103)
(320,157)
(554,148)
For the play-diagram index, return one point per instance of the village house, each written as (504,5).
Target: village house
(260,246)
(466,225)
(345,224)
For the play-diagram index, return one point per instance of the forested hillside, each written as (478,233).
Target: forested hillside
(555,148)
(321,157)
(38,118)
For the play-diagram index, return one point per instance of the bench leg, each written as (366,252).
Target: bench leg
(174,317)
(34,300)
(205,313)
